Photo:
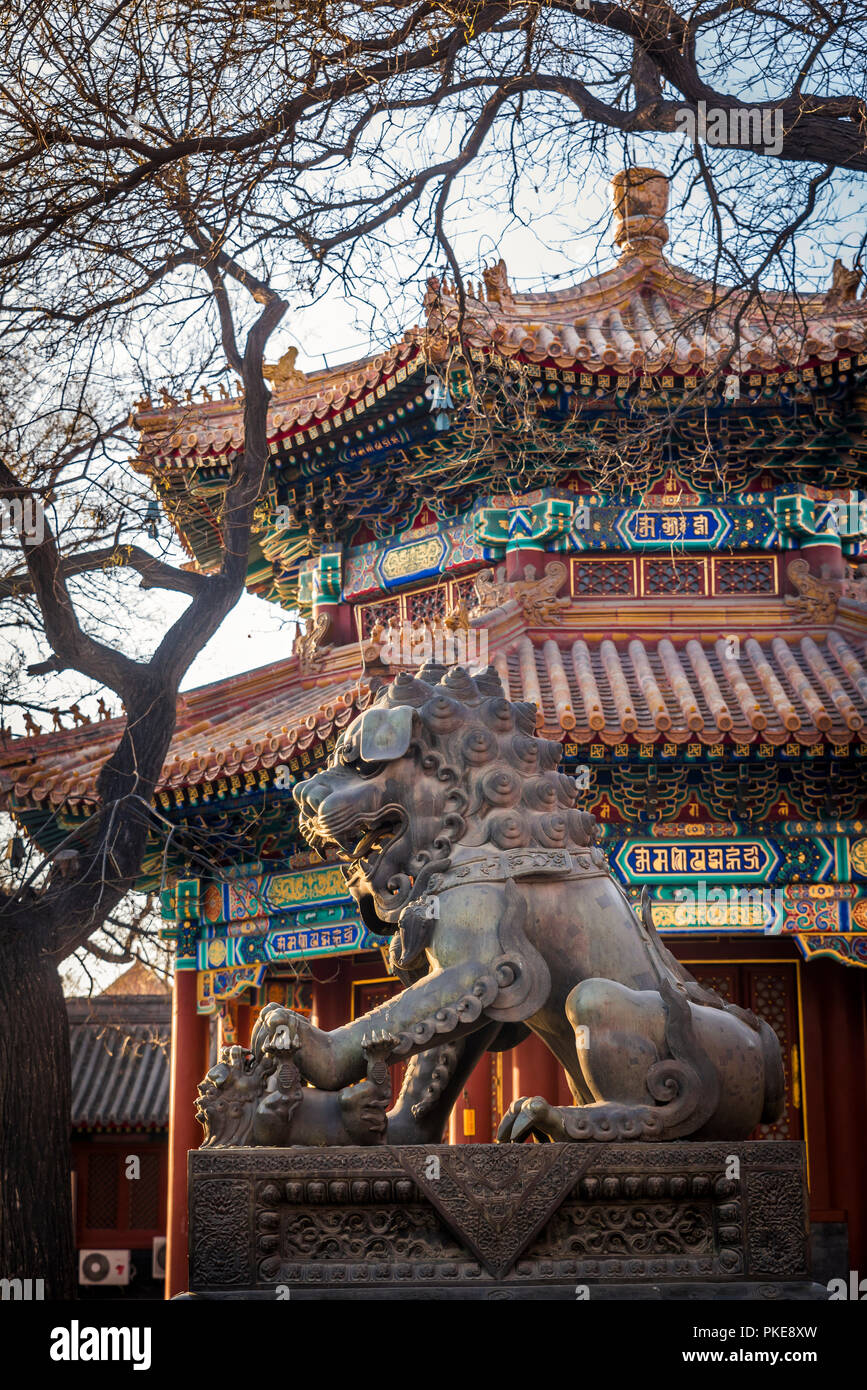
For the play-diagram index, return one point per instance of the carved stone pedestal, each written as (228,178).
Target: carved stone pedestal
(501,1221)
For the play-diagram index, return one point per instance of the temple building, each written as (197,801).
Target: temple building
(637,498)
(119,1045)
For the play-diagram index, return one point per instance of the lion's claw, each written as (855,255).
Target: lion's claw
(378,1044)
(377,1048)
(530,1115)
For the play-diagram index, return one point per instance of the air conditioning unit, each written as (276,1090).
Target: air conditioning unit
(158,1258)
(103,1266)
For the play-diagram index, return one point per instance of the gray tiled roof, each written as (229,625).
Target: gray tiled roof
(120,1061)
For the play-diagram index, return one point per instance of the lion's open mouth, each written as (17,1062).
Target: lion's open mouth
(361,841)
(376,838)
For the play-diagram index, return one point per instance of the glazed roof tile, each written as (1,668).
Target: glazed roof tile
(651,318)
(239,725)
(647,315)
(644,316)
(774,690)
(215,428)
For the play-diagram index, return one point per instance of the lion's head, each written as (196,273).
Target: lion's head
(229,1094)
(441,759)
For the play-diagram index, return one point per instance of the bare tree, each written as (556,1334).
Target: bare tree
(61,906)
(411,95)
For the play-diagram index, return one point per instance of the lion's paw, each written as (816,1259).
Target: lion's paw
(531,1115)
(363,1108)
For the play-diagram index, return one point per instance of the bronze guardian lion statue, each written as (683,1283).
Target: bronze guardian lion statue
(465,845)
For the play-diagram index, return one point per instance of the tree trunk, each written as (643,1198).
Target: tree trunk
(36,1231)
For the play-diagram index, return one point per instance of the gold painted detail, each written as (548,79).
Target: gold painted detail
(288,890)
(795,1068)
(411,559)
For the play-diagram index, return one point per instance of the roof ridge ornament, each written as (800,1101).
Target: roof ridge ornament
(640,198)
(496,280)
(283,373)
(844,283)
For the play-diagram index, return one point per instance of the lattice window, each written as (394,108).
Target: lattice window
(721,981)
(464,589)
(741,575)
(673,576)
(373,613)
(771,998)
(602,577)
(427,604)
(290,994)
(144,1195)
(102,1172)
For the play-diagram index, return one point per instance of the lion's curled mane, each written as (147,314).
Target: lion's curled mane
(475,740)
